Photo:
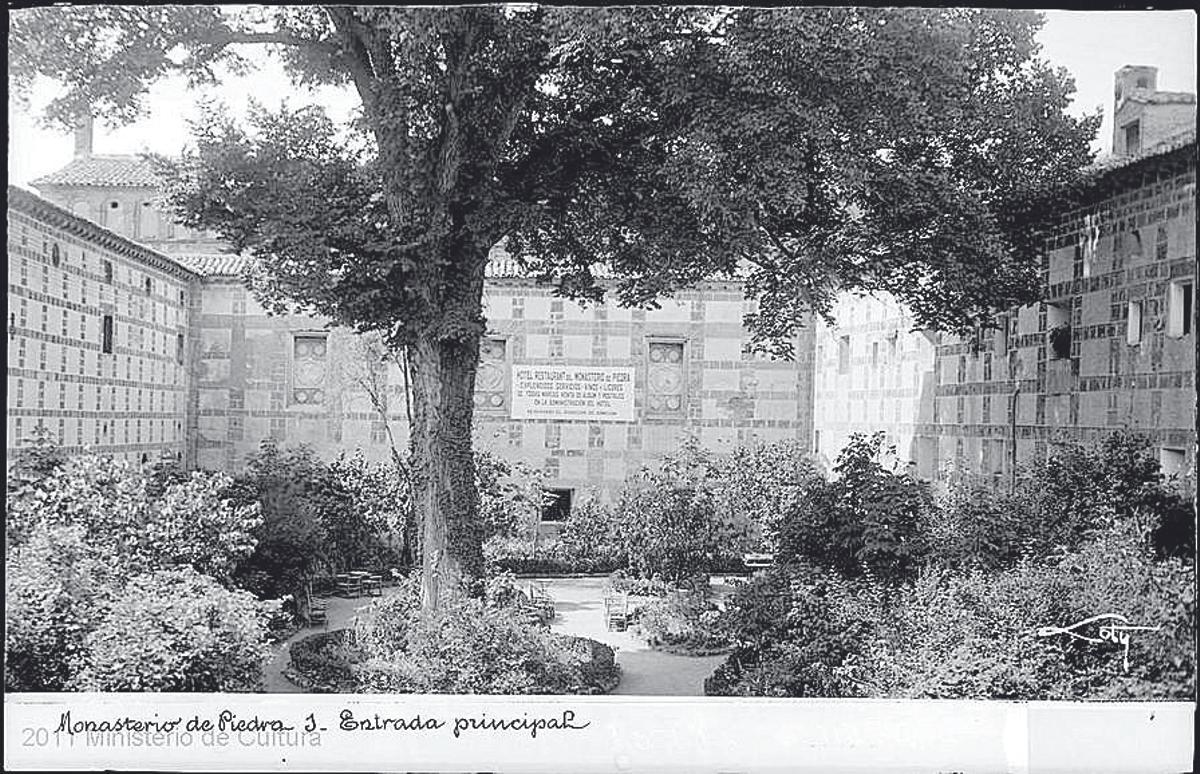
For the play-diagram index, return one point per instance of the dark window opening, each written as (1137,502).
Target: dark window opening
(1188,307)
(179,348)
(844,355)
(1060,342)
(54,255)
(108,271)
(106,343)
(556,504)
(1142,83)
(149,286)
(1133,138)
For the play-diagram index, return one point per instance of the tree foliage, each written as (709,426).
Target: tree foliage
(812,150)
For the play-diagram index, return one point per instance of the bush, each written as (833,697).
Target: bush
(971,636)
(55,592)
(759,483)
(791,637)
(106,587)
(510,496)
(1079,492)
(591,537)
(548,556)
(670,521)
(683,623)
(868,519)
(346,514)
(325,661)
(176,630)
(468,647)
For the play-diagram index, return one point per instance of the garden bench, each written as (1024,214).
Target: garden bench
(758,561)
(372,585)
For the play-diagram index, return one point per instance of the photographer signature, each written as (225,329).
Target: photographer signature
(1116,630)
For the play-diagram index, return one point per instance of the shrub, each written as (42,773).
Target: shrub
(868,519)
(760,482)
(55,593)
(791,638)
(176,630)
(684,623)
(467,647)
(325,661)
(510,496)
(546,556)
(194,522)
(670,521)
(591,537)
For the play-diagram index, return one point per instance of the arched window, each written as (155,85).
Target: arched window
(55,256)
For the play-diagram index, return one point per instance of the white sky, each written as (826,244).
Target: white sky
(1092,45)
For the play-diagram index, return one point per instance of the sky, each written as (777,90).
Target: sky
(1091,45)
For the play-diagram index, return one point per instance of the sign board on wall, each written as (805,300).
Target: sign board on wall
(572,392)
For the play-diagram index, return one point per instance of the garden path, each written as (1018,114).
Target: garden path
(340,612)
(579,607)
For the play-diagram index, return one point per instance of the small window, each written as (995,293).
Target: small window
(844,355)
(149,286)
(1058,331)
(1179,302)
(1133,138)
(1142,83)
(1172,461)
(55,256)
(874,354)
(179,348)
(556,504)
(106,343)
(1133,324)
(108,271)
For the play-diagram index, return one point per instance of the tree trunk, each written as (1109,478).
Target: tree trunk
(444,494)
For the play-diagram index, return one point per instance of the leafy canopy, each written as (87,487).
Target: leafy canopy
(810,150)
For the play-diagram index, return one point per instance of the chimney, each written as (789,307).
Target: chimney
(83,137)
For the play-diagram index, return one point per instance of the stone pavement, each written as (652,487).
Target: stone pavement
(579,608)
(579,604)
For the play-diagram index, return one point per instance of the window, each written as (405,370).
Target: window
(844,355)
(1058,331)
(1172,461)
(1133,138)
(179,348)
(1133,324)
(874,354)
(1179,307)
(106,335)
(556,504)
(55,256)
(108,271)
(149,286)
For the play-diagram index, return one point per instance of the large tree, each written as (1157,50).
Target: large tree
(812,150)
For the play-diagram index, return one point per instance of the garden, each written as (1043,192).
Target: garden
(153,579)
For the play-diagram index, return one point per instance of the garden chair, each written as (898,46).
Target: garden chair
(758,561)
(540,600)
(317,610)
(616,613)
(372,586)
(349,585)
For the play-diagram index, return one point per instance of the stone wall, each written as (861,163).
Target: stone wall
(1126,254)
(292,379)
(66,277)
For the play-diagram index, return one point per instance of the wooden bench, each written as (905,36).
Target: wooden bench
(758,561)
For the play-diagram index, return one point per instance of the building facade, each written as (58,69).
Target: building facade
(97,335)
(1110,346)
(243,375)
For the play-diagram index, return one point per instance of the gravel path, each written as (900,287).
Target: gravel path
(579,607)
(579,604)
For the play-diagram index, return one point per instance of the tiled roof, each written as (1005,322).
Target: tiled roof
(1163,97)
(214,264)
(1111,163)
(105,171)
(30,203)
